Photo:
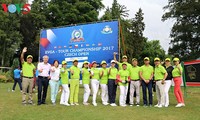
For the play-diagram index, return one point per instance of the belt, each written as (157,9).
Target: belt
(43,77)
(28,77)
(158,80)
(136,80)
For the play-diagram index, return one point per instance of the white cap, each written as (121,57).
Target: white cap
(112,61)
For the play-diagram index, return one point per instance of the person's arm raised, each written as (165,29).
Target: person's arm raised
(22,54)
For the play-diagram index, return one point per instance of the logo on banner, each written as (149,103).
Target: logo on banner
(19,8)
(107,30)
(77,36)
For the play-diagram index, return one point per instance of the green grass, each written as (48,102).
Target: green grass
(12,109)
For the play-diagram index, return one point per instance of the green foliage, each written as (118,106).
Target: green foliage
(185,32)
(6,76)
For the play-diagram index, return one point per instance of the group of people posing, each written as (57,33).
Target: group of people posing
(128,77)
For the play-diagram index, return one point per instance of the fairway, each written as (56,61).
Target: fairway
(12,109)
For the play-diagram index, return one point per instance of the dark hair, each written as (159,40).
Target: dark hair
(55,61)
(83,66)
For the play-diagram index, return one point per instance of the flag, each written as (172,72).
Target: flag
(76,46)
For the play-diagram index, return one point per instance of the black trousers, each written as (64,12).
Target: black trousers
(19,81)
(112,88)
(43,83)
(144,91)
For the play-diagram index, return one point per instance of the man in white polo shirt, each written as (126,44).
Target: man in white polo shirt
(43,79)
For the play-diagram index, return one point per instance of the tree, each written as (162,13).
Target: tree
(136,40)
(185,32)
(152,49)
(10,37)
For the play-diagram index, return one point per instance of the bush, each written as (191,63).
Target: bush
(6,76)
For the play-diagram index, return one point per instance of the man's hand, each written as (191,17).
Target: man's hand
(41,70)
(24,50)
(147,81)
(163,82)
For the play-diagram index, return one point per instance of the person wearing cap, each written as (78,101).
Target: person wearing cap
(124,60)
(112,87)
(54,81)
(177,73)
(65,84)
(28,70)
(95,76)
(43,79)
(135,82)
(160,75)
(146,74)
(86,81)
(168,81)
(104,82)
(123,77)
(74,82)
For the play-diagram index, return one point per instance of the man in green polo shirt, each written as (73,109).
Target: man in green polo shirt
(160,75)
(74,83)
(146,74)
(135,82)
(28,70)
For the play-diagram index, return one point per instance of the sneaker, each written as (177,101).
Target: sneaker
(179,105)
(72,104)
(131,105)
(150,105)
(24,102)
(62,103)
(156,105)
(95,104)
(144,105)
(113,104)
(85,103)
(166,105)
(53,103)
(66,104)
(137,104)
(124,105)
(105,103)
(183,104)
(76,103)
(159,106)
(13,90)
(21,91)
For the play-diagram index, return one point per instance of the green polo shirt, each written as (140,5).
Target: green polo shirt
(128,65)
(113,73)
(76,74)
(64,76)
(124,74)
(175,72)
(135,73)
(27,69)
(104,78)
(159,72)
(95,73)
(85,76)
(146,71)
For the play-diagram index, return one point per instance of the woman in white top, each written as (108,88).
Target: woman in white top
(54,81)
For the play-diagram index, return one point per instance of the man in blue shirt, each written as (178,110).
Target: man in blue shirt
(17,79)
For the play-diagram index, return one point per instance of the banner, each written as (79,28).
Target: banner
(192,70)
(91,42)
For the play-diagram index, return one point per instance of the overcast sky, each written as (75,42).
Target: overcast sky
(155,29)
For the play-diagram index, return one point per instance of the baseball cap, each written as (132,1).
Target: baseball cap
(85,62)
(176,59)
(75,60)
(146,58)
(124,56)
(156,59)
(112,61)
(64,62)
(167,59)
(103,62)
(134,59)
(124,63)
(30,56)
